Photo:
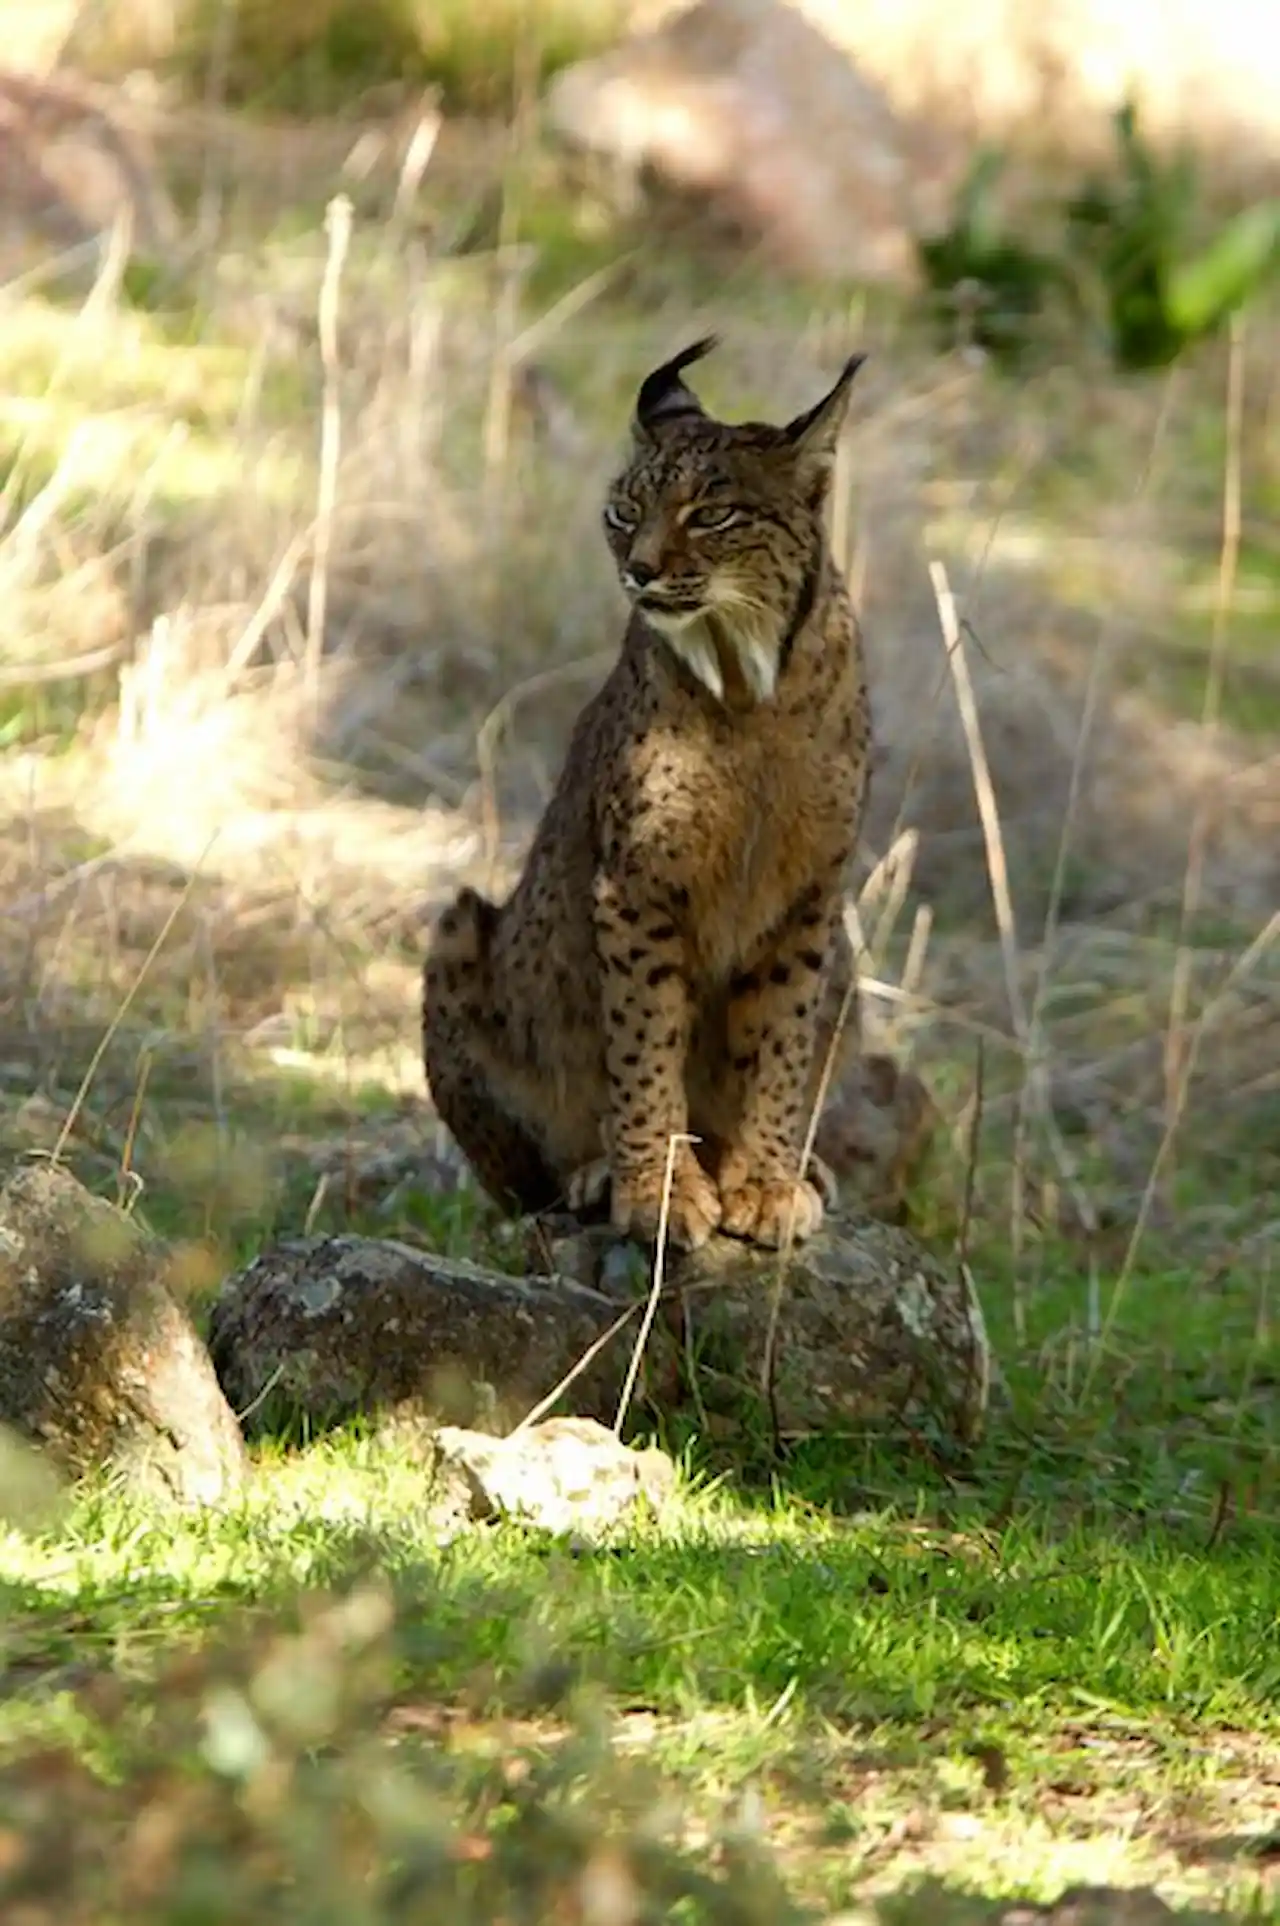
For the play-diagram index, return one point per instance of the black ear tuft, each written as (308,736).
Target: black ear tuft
(663,394)
(820,424)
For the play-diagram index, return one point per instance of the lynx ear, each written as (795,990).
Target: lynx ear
(815,433)
(663,396)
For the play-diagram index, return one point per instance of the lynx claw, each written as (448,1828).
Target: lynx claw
(823,1179)
(588,1187)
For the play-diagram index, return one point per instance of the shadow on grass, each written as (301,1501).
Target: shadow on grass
(907,1610)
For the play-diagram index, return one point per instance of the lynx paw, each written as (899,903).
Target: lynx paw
(693,1211)
(771,1211)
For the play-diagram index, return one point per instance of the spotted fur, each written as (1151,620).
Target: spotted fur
(673,961)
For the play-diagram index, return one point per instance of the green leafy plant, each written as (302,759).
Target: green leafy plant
(1135,227)
(988,287)
(1130,231)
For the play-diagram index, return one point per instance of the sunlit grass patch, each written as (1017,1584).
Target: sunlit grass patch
(1045,1705)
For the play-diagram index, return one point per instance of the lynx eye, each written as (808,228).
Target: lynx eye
(712,516)
(620,518)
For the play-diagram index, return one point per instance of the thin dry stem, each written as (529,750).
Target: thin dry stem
(769,1359)
(1228,562)
(68,670)
(1240,969)
(104,1045)
(971,1157)
(260,1399)
(998,875)
(1032,1094)
(314,1208)
(105,292)
(337,221)
(135,1115)
(417,159)
(659,1267)
(273,599)
(549,324)
(917,951)
(490,729)
(497,424)
(886,890)
(984,791)
(576,1370)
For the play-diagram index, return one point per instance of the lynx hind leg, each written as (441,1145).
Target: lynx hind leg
(875,1130)
(877,1120)
(836,1045)
(461,1033)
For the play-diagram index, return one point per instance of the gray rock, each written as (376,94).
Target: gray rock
(1097,1906)
(565,1474)
(749,106)
(98,1363)
(321,1328)
(863,1326)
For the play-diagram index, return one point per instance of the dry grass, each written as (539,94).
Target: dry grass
(318,56)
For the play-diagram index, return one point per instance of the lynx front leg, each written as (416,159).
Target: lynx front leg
(773,1024)
(647,1020)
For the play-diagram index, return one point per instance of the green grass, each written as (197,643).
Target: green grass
(1039,1700)
(974,1674)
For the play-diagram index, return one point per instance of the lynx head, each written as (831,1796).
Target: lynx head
(717,529)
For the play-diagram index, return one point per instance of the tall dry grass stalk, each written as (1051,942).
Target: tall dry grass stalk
(121,1013)
(655,1289)
(1228,564)
(337,223)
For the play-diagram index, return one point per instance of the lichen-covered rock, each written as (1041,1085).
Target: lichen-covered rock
(866,1327)
(565,1474)
(870,1328)
(320,1328)
(861,1325)
(1099,1906)
(99,1364)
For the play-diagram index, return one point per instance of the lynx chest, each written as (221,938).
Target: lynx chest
(736,825)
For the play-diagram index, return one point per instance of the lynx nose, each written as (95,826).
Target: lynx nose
(639,575)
